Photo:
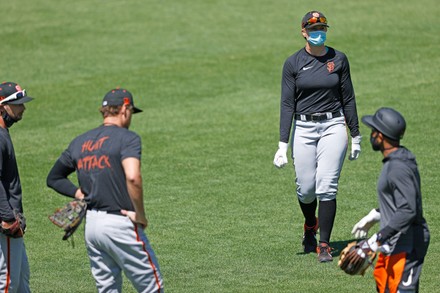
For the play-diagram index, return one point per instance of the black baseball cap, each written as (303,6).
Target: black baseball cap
(118,97)
(11,93)
(387,121)
(313,18)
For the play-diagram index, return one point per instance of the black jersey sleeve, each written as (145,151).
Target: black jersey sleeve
(6,213)
(405,189)
(5,209)
(348,99)
(287,105)
(57,177)
(131,147)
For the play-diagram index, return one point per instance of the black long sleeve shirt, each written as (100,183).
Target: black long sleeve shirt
(10,187)
(400,199)
(312,84)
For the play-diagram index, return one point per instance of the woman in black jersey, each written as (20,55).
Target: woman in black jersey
(317,95)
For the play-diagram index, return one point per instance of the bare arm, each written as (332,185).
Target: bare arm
(132,170)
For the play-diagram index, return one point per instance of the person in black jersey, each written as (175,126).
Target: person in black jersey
(107,161)
(403,237)
(14,265)
(317,94)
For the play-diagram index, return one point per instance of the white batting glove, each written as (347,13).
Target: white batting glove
(360,230)
(372,242)
(374,246)
(355,148)
(280,159)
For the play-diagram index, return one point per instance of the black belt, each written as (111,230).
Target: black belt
(117,212)
(318,116)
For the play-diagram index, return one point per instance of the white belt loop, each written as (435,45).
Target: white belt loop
(329,115)
(303,117)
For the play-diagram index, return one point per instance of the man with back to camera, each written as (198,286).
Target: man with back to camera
(107,161)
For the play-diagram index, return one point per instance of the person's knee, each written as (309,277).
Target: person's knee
(306,198)
(326,196)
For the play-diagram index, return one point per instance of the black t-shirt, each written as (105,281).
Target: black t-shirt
(97,157)
(312,84)
(10,189)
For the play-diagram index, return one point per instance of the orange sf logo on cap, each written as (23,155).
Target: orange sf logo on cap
(126,101)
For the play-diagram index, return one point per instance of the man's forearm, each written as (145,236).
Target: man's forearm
(136,195)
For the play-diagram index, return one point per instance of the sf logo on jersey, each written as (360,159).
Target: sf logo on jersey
(330,66)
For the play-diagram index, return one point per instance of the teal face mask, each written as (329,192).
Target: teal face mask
(317,38)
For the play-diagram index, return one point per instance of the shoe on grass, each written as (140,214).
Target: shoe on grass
(324,252)
(309,242)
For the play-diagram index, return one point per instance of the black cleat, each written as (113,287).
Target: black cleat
(309,242)
(324,252)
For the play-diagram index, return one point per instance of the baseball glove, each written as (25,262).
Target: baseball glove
(69,217)
(356,258)
(17,228)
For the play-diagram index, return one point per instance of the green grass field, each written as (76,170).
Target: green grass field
(207,75)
